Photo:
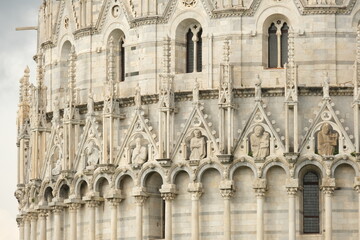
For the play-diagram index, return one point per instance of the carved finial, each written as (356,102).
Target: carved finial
(24,87)
(196,92)
(326,86)
(111,62)
(137,97)
(258,88)
(40,73)
(226,54)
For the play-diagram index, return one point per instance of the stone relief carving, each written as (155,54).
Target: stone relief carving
(57,169)
(92,154)
(189,3)
(140,153)
(327,140)
(260,142)
(197,146)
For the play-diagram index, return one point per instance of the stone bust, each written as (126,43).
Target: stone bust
(326,140)
(197,146)
(260,142)
(139,153)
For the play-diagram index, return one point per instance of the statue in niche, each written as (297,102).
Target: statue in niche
(57,169)
(139,154)
(260,142)
(326,140)
(197,146)
(93,154)
(90,104)
(258,88)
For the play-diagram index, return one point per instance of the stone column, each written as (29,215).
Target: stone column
(292,191)
(139,201)
(42,223)
(227,195)
(20,222)
(357,189)
(278,35)
(196,191)
(168,197)
(91,205)
(260,189)
(73,211)
(33,219)
(114,203)
(57,211)
(328,193)
(27,228)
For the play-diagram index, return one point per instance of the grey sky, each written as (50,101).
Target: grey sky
(16,51)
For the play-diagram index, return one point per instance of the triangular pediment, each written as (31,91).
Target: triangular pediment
(326,134)
(139,138)
(90,147)
(259,139)
(207,143)
(54,154)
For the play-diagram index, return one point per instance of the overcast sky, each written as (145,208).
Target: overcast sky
(16,52)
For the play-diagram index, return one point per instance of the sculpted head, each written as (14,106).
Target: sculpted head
(325,128)
(258,130)
(197,133)
(138,142)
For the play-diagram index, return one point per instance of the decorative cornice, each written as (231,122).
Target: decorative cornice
(315,9)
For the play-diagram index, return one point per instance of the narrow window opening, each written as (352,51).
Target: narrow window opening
(311,208)
(122,61)
(272,47)
(199,51)
(189,52)
(284,44)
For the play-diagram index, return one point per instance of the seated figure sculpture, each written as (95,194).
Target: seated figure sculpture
(326,140)
(139,154)
(197,146)
(260,142)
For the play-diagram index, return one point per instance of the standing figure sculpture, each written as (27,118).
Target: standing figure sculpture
(197,146)
(326,140)
(139,154)
(93,154)
(260,142)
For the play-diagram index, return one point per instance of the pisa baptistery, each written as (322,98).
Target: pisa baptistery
(191,119)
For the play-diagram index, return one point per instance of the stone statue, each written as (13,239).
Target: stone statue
(139,154)
(197,146)
(260,142)
(93,154)
(57,169)
(258,88)
(90,104)
(326,140)
(137,97)
(196,92)
(326,87)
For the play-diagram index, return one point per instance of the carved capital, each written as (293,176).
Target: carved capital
(92,204)
(260,192)
(168,196)
(74,206)
(140,199)
(328,190)
(33,217)
(43,213)
(227,193)
(292,191)
(195,196)
(58,209)
(114,202)
(20,221)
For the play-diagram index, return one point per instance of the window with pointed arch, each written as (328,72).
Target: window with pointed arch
(277,43)
(311,203)
(116,56)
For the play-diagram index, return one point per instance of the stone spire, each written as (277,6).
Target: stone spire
(23,112)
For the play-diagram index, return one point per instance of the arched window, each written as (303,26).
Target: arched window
(311,203)
(116,55)
(64,65)
(194,49)
(278,44)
